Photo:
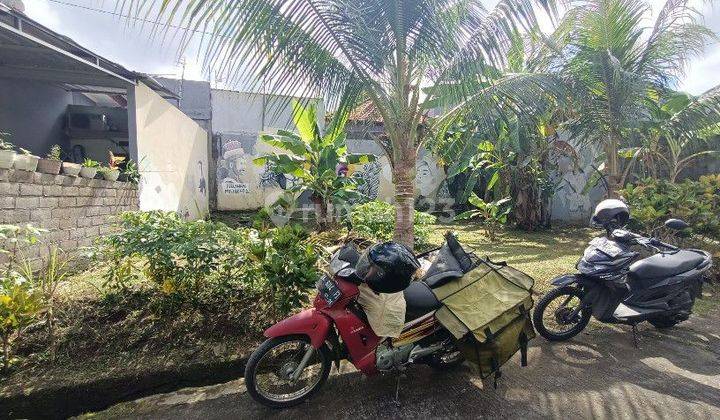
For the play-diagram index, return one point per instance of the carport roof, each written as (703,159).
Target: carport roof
(29,50)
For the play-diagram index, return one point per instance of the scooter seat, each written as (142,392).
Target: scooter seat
(419,300)
(665,265)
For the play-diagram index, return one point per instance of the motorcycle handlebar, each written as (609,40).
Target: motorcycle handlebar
(653,243)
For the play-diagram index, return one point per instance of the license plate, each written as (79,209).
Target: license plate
(329,291)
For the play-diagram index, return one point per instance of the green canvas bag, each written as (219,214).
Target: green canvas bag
(488,312)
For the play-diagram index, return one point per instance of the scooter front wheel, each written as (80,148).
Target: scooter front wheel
(558,316)
(273,374)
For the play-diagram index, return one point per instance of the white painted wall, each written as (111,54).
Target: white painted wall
(237,112)
(173,153)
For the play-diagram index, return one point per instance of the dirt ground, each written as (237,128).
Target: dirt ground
(600,374)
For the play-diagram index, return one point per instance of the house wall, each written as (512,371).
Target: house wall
(33,113)
(75,211)
(173,153)
(195,101)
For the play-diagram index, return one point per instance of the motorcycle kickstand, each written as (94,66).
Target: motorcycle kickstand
(397,389)
(634,332)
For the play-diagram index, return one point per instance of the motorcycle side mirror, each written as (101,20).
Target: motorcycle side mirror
(676,224)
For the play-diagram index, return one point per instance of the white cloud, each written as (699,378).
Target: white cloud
(42,11)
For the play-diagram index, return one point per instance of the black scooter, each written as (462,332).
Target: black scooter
(615,285)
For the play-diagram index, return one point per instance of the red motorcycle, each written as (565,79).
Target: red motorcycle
(296,359)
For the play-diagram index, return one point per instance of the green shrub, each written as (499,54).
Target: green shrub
(376,220)
(177,255)
(20,305)
(202,263)
(492,214)
(652,202)
(287,266)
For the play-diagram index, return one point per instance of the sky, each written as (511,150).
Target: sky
(131,43)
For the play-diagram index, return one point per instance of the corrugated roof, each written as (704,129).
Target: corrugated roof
(366,112)
(29,50)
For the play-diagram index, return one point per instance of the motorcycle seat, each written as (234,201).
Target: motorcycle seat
(665,265)
(419,300)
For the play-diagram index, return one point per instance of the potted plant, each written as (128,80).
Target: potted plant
(89,168)
(26,161)
(71,169)
(7,152)
(52,163)
(112,172)
(109,173)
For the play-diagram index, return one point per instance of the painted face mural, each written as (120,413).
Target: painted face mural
(426,177)
(233,167)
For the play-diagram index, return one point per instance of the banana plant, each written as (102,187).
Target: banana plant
(318,161)
(492,214)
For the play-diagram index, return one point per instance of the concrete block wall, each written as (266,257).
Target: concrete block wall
(75,211)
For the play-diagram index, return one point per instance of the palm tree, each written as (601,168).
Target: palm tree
(386,49)
(615,63)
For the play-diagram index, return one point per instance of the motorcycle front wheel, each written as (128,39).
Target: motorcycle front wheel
(556,317)
(270,369)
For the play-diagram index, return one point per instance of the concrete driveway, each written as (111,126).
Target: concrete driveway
(600,374)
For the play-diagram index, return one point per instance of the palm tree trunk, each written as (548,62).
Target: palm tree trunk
(612,165)
(404,179)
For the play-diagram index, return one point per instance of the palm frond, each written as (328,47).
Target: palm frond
(700,118)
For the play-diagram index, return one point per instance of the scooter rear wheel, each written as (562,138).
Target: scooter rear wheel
(269,370)
(547,312)
(665,322)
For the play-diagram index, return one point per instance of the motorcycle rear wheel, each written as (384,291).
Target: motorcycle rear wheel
(566,293)
(268,370)
(669,321)
(664,322)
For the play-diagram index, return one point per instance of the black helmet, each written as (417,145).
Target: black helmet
(611,213)
(387,267)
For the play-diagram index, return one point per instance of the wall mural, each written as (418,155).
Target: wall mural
(203,182)
(570,202)
(232,168)
(428,177)
(242,185)
(370,175)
